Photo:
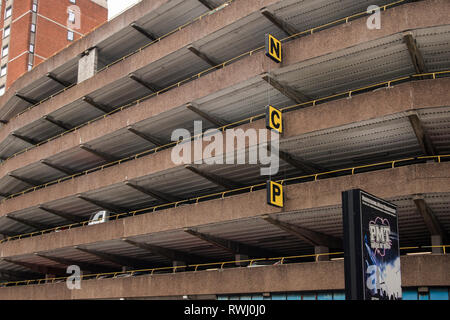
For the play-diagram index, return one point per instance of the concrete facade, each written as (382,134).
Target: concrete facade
(282,278)
(393,134)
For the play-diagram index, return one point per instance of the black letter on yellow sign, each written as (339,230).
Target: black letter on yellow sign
(273,48)
(275,194)
(274,119)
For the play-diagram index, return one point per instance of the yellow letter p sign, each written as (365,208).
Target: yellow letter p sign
(273,48)
(275,194)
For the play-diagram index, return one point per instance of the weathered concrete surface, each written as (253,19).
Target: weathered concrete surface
(411,16)
(429,270)
(198,30)
(402,98)
(409,180)
(88,41)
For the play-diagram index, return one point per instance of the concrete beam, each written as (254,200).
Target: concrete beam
(25,139)
(207,4)
(432,223)
(278,22)
(150,86)
(203,56)
(411,16)
(8,233)
(19,275)
(103,204)
(170,254)
(117,259)
(96,105)
(32,224)
(208,117)
(296,277)
(58,167)
(233,247)
(28,181)
(152,139)
(60,81)
(153,193)
(26,99)
(422,137)
(285,90)
(312,237)
(145,33)
(38,268)
(220,181)
(96,268)
(307,168)
(67,216)
(415,54)
(100,154)
(57,123)
(410,180)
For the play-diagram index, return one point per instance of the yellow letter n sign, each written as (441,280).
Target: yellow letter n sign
(273,48)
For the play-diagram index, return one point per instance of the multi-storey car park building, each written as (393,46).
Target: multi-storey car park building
(363,108)
(34,30)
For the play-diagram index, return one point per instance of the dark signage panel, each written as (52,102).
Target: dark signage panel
(371,244)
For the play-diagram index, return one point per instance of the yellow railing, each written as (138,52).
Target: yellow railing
(223,128)
(195,267)
(223,194)
(178,84)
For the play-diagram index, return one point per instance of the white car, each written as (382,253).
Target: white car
(99,217)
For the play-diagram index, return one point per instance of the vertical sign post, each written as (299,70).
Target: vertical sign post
(371,245)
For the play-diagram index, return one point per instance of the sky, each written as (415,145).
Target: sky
(116,6)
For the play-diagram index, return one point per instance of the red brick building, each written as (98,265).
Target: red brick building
(34,30)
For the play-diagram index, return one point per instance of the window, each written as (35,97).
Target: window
(5,51)
(33,27)
(6,32)
(70,35)
(3,71)
(72,1)
(71,16)
(31,47)
(8,12)
(2,90)
(34,8)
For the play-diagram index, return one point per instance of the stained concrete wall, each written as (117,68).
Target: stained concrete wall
(402,98)
(430,270)
(417,15)
(409,180)
(198,30)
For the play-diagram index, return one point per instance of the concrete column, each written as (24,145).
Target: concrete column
(240,256)
(87,65)
(436,240)
(321,250)
(178,263)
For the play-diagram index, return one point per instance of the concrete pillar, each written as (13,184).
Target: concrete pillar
(49,278)
(321,250)
(238,257)
(178,263)
(436,240)
(87,65)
